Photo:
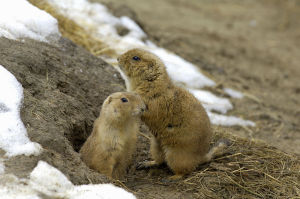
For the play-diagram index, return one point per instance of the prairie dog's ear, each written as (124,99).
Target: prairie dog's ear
(109,99)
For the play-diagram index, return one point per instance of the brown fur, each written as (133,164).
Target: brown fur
(179,124)
(110,146)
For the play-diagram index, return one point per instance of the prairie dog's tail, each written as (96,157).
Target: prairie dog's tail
(217,149)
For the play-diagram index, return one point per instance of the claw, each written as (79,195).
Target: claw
(173,178)
(146,165)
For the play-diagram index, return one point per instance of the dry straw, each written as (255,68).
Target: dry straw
(248,169)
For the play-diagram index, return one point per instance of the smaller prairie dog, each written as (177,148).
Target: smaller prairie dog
(112,142)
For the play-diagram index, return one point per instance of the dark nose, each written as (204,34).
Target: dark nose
(118,59)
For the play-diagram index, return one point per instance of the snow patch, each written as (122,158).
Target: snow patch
(223,120)
(13,187)
(181,70)
(233,93)
(211,101)
(135,30)
(19,19)
(13,134)
(103,191)
(49,181)
(56,183)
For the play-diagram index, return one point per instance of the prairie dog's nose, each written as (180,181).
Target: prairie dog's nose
(118,59)
(144,108)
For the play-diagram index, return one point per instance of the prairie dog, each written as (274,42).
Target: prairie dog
(179,124)
(112,142)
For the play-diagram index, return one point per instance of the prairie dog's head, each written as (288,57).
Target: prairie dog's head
(139,64)
(123,106)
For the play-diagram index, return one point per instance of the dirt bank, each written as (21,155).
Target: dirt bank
(64,87)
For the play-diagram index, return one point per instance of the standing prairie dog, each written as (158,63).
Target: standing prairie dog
(112,142)
(179,124)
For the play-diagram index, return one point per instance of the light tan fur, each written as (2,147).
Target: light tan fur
(179,124)
(112,142)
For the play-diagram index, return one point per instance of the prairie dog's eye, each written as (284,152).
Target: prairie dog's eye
(136,58)
(123,99)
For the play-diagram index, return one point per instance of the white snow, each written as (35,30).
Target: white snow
(181,70)
(233,93)
(13,187)
(19,19)
(105,191)
(13,134)
(211,101)
(56,183)
(135,30)
(223,120)
(47,180)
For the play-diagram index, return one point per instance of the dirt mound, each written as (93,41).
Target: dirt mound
(64,87)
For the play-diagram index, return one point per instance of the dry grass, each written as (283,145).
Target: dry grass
(250,169)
